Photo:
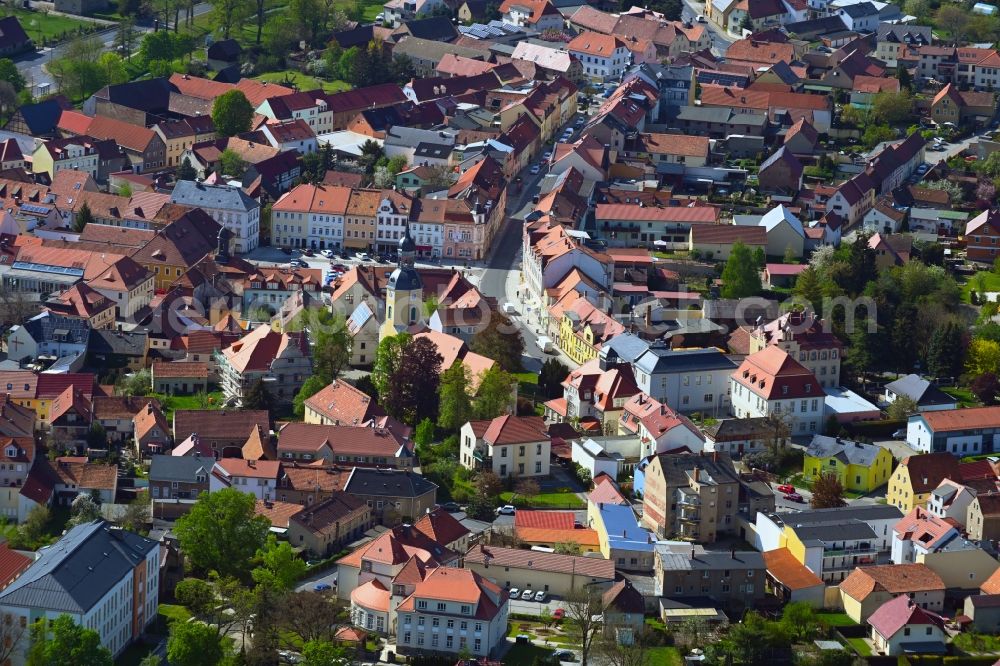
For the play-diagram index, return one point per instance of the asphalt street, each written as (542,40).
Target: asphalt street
(720,40)
(33,65)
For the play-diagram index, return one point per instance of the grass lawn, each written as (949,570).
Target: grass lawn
(664,656)
(303,81)
(981,281)
(526,653)
(171,403)
(964,396)
(41,26)
(175,612)
(860,646)
(563,498)
(834,619)
(974,642)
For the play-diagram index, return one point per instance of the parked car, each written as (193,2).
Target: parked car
(506,510)
(322,587)
(540,595)
(794,497)
(547,155)
(340,268)
(363,256)
(701,18)
(899,434)
(535,169)
(289,657)
(527,595)
(558,614)
(786,488)
(515,593)
(307,252)
(564,655)
(327,253)
(451,507)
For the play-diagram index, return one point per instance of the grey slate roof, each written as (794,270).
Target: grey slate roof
(623,348)
(717,468)
(660,360)
(77,571)
(835,531)
(920,390)
(726,430)
(43,328)
(839,515)
(712,114)
(679,560)
(387,483)
(182,469)
(846,451)
(860,10)
(201,195)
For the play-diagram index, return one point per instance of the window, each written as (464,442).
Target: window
(442,606)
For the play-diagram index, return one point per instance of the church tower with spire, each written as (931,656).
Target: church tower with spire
(404,293)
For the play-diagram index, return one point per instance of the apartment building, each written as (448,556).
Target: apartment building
(310,216)
(229,206)
(102,577)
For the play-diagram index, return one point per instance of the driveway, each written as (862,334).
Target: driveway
(329,576)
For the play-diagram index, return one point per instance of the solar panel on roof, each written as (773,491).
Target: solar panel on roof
(33,208)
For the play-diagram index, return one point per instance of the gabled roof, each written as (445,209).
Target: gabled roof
(892,578)
(772,373)
(79,570)
(257,350)
(920,390)
(889,618)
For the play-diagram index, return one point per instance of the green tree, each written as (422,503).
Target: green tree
(229,15)
(876,134)
(222,532)
(455,404)
(322,653)
(388,357)
(113,68)
(827,492)
(83,510)
(310,387)
(396,164)
(77,73)
(954,19)
(945,352)
(257,397)
(919,8)
(231,164)
(33,532)
(126,36)
(894,108)
(331,350)
(65,643)
(983,357)
(740,277)
(423,437)
(185,171)
(903,75)
(197,594)
(193,644)
(139,382)
(568,548)
(10,74)
(583,611)
(494,394)
(232,113)
(83,218)
(280,567)
(501,341)
(307,16)
(809,287)
(551,377)
(901,408)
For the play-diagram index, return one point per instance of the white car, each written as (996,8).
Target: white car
(547,155)
(534,169)
(506,510)
(701,18)
(514,593)
(540,595)
(363,256)
(327,253)
(527,595)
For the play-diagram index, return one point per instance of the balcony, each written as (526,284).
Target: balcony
(482,460)
(860,550)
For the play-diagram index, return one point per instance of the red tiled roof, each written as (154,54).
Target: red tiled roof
(551,520)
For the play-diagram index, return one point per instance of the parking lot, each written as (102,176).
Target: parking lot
(534,608)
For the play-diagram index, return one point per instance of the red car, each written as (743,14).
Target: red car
(786,488)
(558,614)
(794,497)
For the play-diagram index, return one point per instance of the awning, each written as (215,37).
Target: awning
(424,248)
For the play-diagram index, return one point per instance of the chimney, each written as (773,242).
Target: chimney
(694,473)
(692,552)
